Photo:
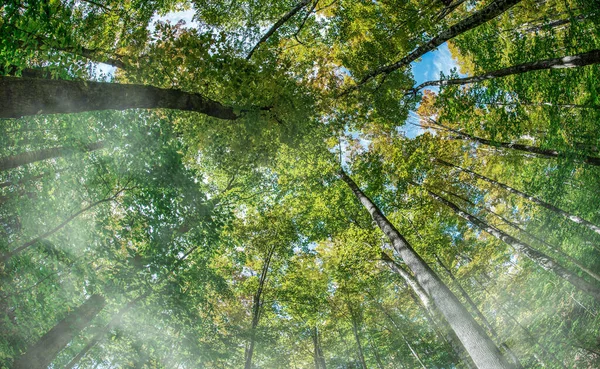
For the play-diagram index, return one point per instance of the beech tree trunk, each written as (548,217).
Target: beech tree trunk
(355,331)
(573,61)
(319,358)
(541,259)
(535,200)
(550,246)
(480,315)
(591,160)
(488,13)
(277,25)
(256,305)
(480,347)
(23,96)
(433,316)
(41,355)
(18,160)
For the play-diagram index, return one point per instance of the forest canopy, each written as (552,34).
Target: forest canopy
(299,184)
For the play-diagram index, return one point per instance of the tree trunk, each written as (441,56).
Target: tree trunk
(488,13)
(536,256)
(480,347)
(480,315)
(535,200)
(41,355)
(591,160)
(318,353)
(23,96)
(550,246)
(114,322)
(421,298)
(277,25)
(18,160)
(355,331)
(256,305)
(573,61)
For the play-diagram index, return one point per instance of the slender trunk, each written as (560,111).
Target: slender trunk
(449,8)
(355,331)
(4,258)
(114,322)
(432,315)
(256,306)
(479,314)
(318,353)
(41,355)
(535,200)
(375,353)
(18,160)
(277,25)
(550,246)
(573,61)
(22,96)
(480,347)
(536,256)
(591,160)
(532,339)
(488,13)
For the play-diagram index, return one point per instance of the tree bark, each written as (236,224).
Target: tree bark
(277,25)
(23,96)
(421,298)
(256,306)
(41,355)
(533,199)
(591,160)
(488,13)
(18,160)
(319,358)
(480,347)
(550,246)
(573,61)
(355,331)
(480,315)
(114,322)
(541,259)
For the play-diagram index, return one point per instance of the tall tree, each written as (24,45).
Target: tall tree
(480,347)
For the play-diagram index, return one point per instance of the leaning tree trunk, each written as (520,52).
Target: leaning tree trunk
(432,315)
(18,160)
(480,347)
(23,96)
(572,61)
(256,305)
(319,358)
(479,314)
(541,259)
(355,331)
(550,246)
(488,13)
(114,322)
(277,25)
(549,153)
(41,355)
(535,200)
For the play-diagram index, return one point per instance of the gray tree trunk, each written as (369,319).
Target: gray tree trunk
(573,61)
(480,347)
(41,355)
(488,13)
(541,259)
(535,200)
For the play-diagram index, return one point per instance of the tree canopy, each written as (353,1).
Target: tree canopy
(278,184)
